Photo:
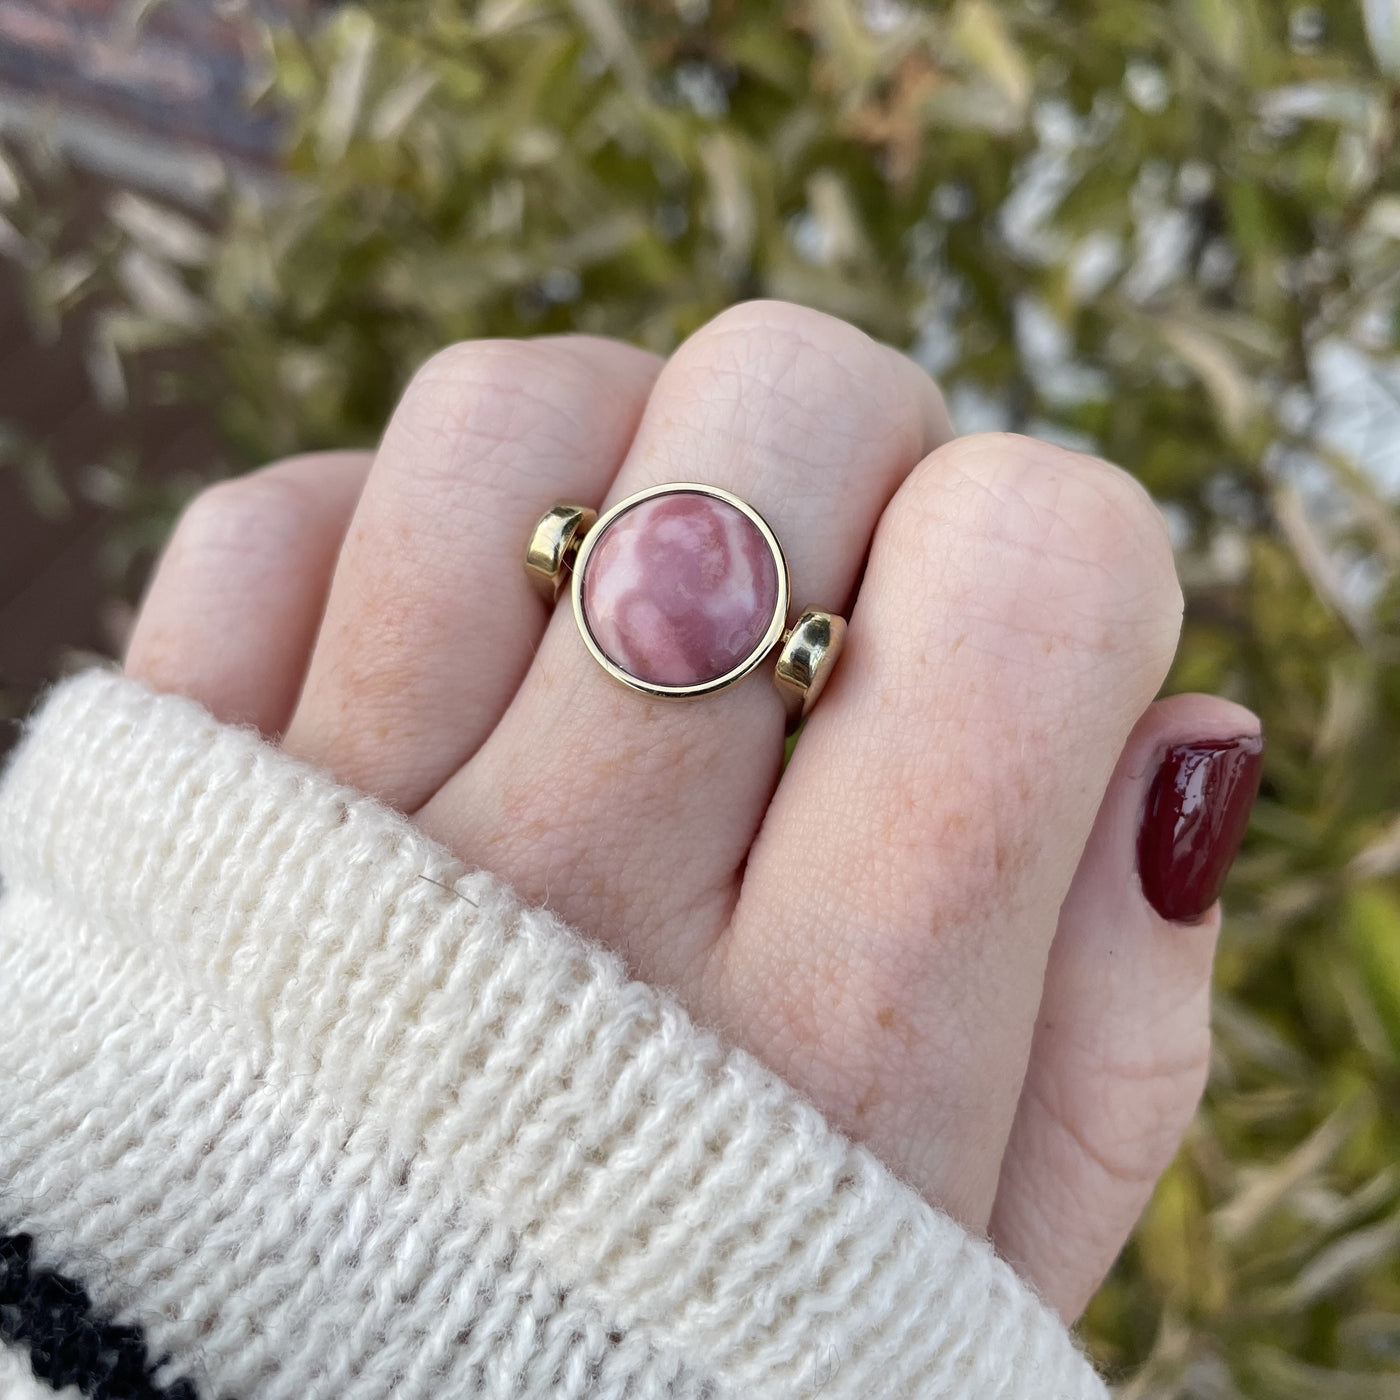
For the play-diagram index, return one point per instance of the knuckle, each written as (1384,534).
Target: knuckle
(243,514)
(1066,541)
(793,381)
(481,395)
(487,363)
(785,345)
(783,320)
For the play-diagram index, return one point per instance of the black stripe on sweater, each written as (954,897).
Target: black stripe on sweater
(68,1343)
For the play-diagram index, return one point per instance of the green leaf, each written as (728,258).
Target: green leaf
(1371,923)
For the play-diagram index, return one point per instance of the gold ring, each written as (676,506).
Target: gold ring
(682,590)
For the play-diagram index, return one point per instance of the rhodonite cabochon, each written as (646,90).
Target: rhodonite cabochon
(679,589)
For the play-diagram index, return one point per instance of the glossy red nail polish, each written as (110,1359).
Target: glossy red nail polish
(1197,810)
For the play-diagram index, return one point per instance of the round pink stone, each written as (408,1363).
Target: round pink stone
(679,589)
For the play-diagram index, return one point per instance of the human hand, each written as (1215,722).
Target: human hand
(934,926)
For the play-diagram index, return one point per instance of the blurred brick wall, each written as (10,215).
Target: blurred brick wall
(56,598)
(179,71)
(153,101)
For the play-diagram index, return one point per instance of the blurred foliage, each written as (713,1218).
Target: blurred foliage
(1153,229)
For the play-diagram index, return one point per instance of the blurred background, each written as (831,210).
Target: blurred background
(1167,232)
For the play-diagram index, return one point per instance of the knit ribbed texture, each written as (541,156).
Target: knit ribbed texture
(327,1115)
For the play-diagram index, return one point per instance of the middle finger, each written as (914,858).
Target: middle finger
(814,425)
(430,623)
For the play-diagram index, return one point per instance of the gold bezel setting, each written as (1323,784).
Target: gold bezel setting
(771,637)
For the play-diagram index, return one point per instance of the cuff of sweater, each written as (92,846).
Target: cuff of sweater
(325,1113)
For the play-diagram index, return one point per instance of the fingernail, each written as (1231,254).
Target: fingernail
(1197,811)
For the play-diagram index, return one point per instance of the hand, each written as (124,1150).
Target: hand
(934,926)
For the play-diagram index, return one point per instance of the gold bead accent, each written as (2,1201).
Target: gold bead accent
(806,659)
(554,545)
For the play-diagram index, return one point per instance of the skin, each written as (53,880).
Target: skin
(933,925)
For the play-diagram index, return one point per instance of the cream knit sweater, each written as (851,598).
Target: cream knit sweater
(294,1106)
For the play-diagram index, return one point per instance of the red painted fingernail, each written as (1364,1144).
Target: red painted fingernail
(1197,811)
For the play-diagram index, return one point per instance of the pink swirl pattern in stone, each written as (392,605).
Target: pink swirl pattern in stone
(679,589)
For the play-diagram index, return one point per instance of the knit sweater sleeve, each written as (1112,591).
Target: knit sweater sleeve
(292,1104)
